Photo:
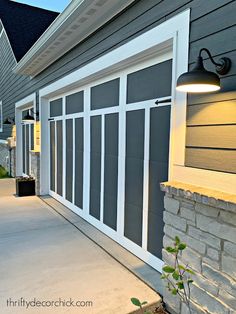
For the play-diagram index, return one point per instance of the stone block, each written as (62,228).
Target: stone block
(228,217)
(172,205)
(175,221)
(212,226)
(208,302)
(210,262)
(207,210)
(213,254)
(204,237)
(187,214)
(191,242)
(222,280)
(195,309)
(230,248)
(229,265)
(228,299)
(206,284)
(191,258)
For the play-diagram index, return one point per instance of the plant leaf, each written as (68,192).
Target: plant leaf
(144,303)
(168,269)
(177,240)
(174,291)
(136,302)
(182,246)
(171,249)
(190,280)
(180,285)
(175,275)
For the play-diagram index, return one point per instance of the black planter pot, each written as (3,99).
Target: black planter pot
(25,187)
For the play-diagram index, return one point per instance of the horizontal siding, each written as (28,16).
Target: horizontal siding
(222,112)
(211,118)
(218,136)
(211,159)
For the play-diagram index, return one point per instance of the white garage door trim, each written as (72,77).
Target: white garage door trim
(173,34)
(121,110)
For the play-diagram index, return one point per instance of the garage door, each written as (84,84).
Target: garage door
(109,148)
(27,145)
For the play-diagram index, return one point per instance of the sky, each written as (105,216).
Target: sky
(54,5)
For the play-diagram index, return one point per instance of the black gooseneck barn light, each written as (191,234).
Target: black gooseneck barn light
(9,121)
(28,118)
(199,80)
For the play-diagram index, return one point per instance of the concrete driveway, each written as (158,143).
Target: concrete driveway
(45,258)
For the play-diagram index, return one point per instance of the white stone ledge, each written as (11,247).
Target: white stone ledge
(201,195)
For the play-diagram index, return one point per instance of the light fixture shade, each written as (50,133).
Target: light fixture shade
(28,118)
(7,121)
(199,80)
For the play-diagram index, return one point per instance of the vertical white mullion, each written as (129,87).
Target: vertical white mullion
(121,158)
(55,126)
(86,170)
(146,178)
(102,167)
(30,125)
(64,148)
(73,167)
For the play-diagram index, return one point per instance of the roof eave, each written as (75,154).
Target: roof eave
(80,19)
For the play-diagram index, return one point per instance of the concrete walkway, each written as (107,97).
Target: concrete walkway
(44,257)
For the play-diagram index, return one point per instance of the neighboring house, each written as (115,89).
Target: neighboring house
(20,27)
(105,146)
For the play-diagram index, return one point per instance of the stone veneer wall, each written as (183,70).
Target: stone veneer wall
(206,221)
(35,170)
(4,155)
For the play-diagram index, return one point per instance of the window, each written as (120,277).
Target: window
(1,117)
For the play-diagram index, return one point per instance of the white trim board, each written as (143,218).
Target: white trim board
(24,104)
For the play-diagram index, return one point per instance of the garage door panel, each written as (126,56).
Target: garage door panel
(79,162)
(134,181)
(159,133)
(135,134)
(154,80)
(133,223)
(110,211)
(155,234)
(105,95)
(23,148)
(96,129)
(111,175)
(75,103)
(59,132)
(94,208)
(52,156)
(111,134)
(56,108)
(69,159)
(95,171)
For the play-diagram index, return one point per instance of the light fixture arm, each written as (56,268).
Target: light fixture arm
(222,67)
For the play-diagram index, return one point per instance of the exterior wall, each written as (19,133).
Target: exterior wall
(139,17)
(208,226)
(10,84)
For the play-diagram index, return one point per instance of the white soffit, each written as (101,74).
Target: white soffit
(80,19)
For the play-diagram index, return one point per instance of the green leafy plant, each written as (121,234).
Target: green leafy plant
(3,173)
(140,304)
(178,277)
